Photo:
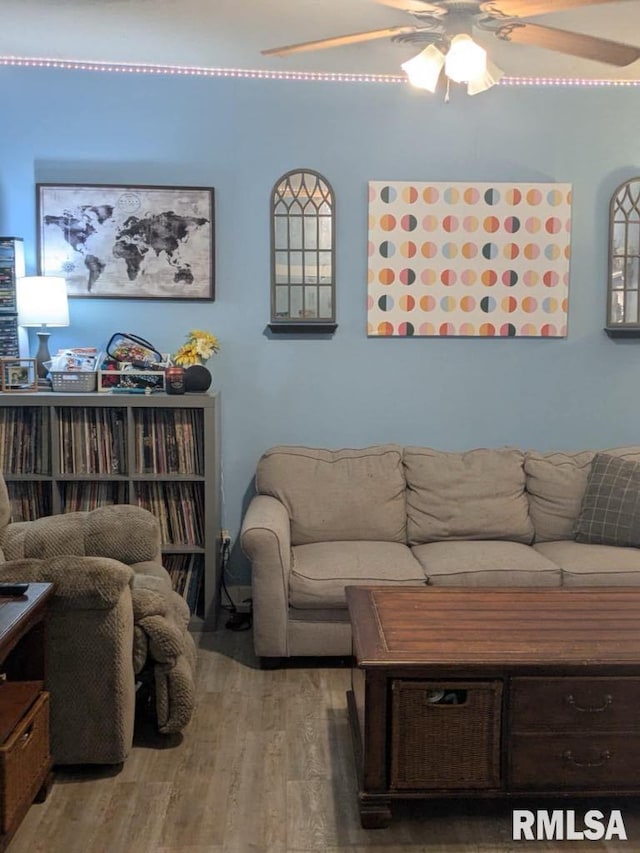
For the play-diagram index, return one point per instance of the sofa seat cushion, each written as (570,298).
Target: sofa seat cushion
(556,483)
(485,563)
(479,494)
(337,494)
(593,565)
(321,571)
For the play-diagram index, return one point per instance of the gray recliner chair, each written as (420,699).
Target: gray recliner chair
(113,615)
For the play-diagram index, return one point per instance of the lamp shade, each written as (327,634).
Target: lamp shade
(466,60)
(42,301)
(424,69)
(486,80)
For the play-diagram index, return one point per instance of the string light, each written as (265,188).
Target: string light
(195,71)
(565,81)
(263,74)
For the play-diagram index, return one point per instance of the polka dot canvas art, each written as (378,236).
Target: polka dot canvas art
(473,260)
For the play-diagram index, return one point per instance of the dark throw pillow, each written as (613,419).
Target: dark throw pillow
(610,512)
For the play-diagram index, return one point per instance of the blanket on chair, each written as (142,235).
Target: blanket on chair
(162,639)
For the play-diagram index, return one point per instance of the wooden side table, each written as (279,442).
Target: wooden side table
(25,758)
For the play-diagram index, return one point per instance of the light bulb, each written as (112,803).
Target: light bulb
(465,60)
(424,69)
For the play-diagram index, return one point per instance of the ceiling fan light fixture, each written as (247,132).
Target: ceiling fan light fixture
(424,69)
(465,60)
(490,77)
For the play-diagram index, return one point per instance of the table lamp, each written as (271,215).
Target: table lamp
(42,302)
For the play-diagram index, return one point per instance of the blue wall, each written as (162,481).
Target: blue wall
(239,135)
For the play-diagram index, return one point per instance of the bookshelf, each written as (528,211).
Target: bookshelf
(68,452)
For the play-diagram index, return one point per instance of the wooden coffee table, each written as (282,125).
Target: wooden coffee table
(494,692)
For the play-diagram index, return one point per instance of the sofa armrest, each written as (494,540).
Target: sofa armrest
(81,583)
(89,641)
(124,532)
(266,540)
(151,573)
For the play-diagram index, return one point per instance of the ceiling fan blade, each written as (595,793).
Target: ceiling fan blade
(337,41)
(416,7)
(529,8)
(575,44)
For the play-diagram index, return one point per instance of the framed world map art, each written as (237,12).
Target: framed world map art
(128,242)
(457,259)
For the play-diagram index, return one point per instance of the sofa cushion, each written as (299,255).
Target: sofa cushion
(337,494)
(474,495)
(593,565)
(485,563)
(321,571)
(556,483)
(610,513)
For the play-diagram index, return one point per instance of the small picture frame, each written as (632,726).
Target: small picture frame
(18,374)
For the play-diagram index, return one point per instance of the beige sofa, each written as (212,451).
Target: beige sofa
(324,519)
(114,620)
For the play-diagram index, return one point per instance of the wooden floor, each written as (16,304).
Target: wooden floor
(266,766)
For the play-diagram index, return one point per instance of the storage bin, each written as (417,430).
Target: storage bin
(445,734)
(123,376)
(116,380)
(24,761)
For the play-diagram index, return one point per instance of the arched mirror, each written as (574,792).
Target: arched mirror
(623,307)
(303,230)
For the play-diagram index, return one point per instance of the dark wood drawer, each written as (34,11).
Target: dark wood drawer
(24,762)
(574,704)
(559,762)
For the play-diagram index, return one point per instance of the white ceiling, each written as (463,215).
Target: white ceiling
(231,33)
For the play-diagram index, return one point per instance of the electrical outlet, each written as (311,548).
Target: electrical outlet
(225,537)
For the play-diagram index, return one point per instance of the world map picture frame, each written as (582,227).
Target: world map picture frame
(122,241)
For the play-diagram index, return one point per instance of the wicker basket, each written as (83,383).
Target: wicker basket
(440,745)
(73,381)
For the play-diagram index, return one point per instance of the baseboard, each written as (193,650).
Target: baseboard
(239,594)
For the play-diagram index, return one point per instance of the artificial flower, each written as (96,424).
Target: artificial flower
(199,348)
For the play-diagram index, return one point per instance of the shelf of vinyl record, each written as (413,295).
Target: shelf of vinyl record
(90,456)
(93,440)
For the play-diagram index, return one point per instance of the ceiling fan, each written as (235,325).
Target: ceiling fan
(446,27)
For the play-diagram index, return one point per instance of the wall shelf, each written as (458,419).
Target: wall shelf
(623,331)
(308,328)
